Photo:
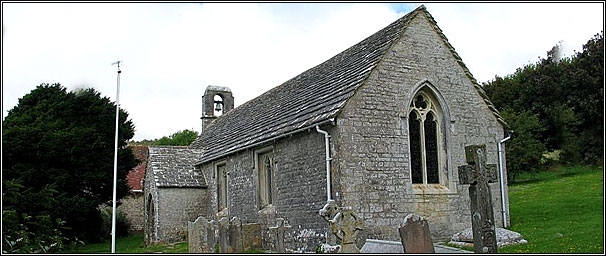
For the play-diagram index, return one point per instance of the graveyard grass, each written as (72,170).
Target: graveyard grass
(129,244)
(558,211)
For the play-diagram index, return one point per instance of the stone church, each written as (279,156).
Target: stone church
(380,127)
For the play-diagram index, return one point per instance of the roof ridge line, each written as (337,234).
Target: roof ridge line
(408,17)
(420,7)
(466,70)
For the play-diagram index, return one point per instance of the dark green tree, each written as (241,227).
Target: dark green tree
(180,138)
(567,97)
(62,143)
(524,151)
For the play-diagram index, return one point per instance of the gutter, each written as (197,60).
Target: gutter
(327,150)
(502,178)
(331,120)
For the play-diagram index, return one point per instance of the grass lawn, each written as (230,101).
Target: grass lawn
(559,211)
(130,244)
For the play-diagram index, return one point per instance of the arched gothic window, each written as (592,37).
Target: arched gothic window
(424,129)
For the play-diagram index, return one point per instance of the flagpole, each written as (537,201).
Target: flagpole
(115,161)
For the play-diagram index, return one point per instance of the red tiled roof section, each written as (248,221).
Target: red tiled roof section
(135,176)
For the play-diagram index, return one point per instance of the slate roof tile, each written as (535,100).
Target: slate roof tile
(312,97)
(173,166)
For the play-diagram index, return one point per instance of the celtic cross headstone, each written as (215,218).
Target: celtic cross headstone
(278,232)
(345,225)
(478,174)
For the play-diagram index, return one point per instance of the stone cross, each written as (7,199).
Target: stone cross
(478,174)
(328,212)
(346,225)
(278,231)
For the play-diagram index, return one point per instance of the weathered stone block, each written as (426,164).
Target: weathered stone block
(199,233)
(251,237)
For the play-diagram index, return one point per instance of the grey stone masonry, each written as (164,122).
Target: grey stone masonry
(299,189)
(362,98)
(133,206)
(175,193)
(208,103)
(371,159)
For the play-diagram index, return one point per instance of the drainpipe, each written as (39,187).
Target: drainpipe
(502,179)
(326,142)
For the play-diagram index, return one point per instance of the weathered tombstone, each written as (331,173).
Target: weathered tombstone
(278,234)
(345,225)
(211,235)
(223,234)
(478,174)
(235,236)
(251,237)
(328,212)
(198,233)
(415,235)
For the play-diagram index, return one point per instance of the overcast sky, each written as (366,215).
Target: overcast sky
(171,52)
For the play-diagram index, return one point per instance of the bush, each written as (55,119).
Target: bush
(122,223)
(32,234)
(524,151)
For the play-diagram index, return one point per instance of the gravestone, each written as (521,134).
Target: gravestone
(211,235)
(415,235)
(345,225)
(251,237)
(235,236)
(478,174)
(223,227)
(198,233)
(278,234)
(376,246)
(328,212)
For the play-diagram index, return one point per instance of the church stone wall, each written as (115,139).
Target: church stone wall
(176,207)
(150,200)
(299,189)
(133,207)
(373,165)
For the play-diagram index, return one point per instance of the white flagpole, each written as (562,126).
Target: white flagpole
(115,161)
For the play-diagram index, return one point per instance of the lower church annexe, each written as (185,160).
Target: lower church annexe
(398,109)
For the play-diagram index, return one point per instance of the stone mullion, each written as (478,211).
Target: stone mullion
(423,155)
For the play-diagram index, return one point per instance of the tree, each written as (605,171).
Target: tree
(567,97)
(524,151)
(180,138)
(58,150)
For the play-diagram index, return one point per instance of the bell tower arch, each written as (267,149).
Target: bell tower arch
(216,101)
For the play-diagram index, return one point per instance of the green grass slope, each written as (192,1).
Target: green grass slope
(560,211)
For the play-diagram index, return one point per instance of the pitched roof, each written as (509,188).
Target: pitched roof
(135,176)
(173,166)
(312,97)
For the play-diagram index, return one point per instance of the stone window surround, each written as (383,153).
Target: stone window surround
(271,206)
(447,184)
(431,107)
(224,211)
